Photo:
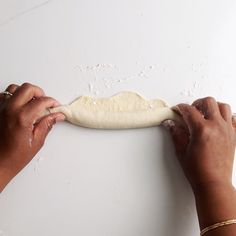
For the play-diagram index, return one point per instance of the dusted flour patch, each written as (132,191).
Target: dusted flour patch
(125,110)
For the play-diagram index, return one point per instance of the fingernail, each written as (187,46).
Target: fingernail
(168,124)
(60,117)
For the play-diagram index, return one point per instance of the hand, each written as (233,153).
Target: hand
(23,127)
(205,146)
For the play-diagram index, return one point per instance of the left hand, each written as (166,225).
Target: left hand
(23,127)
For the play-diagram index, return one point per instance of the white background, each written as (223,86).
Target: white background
(120,183)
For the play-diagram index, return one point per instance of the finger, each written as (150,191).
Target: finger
(38,107)
(12,88)
(225,111)
(191,116)
(42,129)
(208,107)
(25,93)
(180,136)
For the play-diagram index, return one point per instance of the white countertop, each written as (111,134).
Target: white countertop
(121,183)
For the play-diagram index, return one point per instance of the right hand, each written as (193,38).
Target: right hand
(205,145)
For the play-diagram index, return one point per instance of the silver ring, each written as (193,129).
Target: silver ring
(7,93)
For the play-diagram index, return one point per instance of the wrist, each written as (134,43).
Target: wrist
(212,188)
(215,203)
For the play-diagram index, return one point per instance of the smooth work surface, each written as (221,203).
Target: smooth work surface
(120,183)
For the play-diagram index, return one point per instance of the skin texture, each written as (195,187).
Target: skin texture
(204,143)
(23,129)
(205,148)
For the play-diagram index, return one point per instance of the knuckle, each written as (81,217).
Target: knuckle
(26,85)
(30,87)
(226,106)
(197,102)
(210,99)
(11,86)
(38,88)
(203,131)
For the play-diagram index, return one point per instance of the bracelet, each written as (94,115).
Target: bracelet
(217,225)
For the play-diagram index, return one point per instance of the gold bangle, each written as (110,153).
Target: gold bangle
(217,225)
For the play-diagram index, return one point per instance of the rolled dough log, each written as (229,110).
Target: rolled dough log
(125,110)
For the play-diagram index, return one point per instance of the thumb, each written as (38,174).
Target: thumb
(180,136)
(44,126)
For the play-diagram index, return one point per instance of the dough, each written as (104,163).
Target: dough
(123,111)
